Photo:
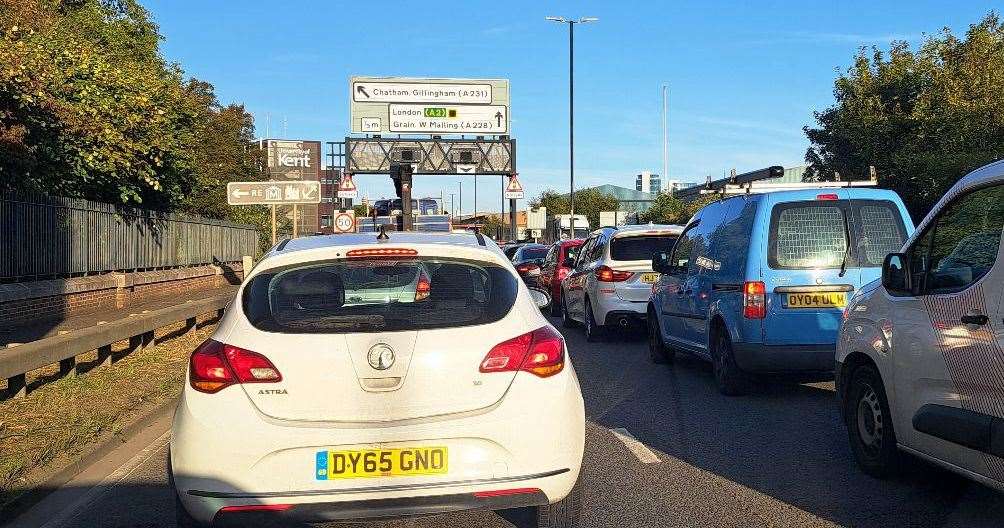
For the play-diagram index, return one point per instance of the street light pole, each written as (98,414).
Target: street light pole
(571,112)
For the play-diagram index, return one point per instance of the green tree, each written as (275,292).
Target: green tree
(923,118)
(667,209)
(589,202)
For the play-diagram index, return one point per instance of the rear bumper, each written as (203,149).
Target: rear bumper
(811,360)
(321,507)
(609,307)
(624,317)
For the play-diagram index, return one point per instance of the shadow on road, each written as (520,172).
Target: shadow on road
(785,440)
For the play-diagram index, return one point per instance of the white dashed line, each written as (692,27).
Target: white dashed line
(638,449)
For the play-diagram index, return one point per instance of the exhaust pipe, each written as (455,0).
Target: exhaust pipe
(624,322)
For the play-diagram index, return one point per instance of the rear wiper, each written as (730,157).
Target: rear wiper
(847,248)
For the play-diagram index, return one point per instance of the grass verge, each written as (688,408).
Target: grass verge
(60,418)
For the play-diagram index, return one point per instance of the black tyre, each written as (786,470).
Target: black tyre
(869,423)
(562,514)
(555,308)
(728,377)
(594,332)
(566,320)
(657,349)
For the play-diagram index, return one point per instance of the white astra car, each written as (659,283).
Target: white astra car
(329,393)
(920,355)
(611,279)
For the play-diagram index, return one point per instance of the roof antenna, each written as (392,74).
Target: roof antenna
(383,233)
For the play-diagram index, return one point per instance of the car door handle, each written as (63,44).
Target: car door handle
(975,319)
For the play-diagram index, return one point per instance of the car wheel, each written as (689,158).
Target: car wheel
(562,514)
(594,332)
(555,307)
(566,320)
(727,374)
(869,423)
(657,349)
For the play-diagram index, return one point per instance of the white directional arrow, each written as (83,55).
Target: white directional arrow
(310,192)
(239,193)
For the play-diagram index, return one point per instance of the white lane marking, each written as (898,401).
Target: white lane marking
(114,478)
(638,449)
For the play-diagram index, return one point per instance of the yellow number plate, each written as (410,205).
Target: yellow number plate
(649,278)
(367,463)
(817,300)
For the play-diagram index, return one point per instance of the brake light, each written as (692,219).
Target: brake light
(562,272)
(423,288)
(541,352)
(381,252)
(754,300)
(606,274)
(827,197)
(526,267)
(215,366)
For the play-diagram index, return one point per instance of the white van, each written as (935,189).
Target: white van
(920,354)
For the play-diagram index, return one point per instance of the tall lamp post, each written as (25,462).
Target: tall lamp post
(571,111)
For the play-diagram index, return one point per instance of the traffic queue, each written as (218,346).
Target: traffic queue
(827,283)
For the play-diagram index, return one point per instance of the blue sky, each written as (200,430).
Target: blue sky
(744,77)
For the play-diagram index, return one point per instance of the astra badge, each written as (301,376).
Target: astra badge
(380,357)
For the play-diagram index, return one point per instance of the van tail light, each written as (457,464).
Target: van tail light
(423,288)
(754,300)
(541,352)
(215,366)
(605,274)
(830,196)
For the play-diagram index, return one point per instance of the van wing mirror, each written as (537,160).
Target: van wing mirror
(660,263)
(896,274)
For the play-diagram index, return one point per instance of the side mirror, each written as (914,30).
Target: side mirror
(660,263)
(896,274)
(540,297)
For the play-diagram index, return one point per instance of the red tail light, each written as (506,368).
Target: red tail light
(754,300)
(605,274)
(562,272)
(423,288)
(527,267)
(827,197)
(382,252)
(215,366)
(541,352)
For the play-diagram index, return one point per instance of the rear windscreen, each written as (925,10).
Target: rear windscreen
(533,253)
(814,234)
(640,247)
(378,295)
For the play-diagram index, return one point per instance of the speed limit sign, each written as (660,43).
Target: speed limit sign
(345,222)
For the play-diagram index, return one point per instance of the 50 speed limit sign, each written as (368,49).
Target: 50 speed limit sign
(345,222)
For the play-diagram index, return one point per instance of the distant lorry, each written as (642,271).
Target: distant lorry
(559,227)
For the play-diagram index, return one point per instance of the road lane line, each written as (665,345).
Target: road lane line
(113,479)
(638,449)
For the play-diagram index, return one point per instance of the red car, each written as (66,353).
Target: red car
(553,270)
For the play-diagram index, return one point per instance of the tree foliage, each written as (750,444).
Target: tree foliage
(923,118)
(89,108)
(589,202)
(667,209)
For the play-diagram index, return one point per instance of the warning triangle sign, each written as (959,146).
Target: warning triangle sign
(514,190)
(347,187)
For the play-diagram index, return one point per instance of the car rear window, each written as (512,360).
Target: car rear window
(640,247)
(534,253)
(349,296)
(814,234)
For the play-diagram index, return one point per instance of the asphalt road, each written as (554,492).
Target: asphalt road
(777,457)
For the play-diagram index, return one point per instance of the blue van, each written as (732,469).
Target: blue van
(757,283)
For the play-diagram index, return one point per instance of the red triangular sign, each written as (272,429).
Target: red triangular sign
(514,185)
(346,184)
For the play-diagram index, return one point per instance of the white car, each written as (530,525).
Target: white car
(611,279)
(920,356)
(327,394)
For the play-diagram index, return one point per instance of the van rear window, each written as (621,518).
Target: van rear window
(378,295)
(640,247)
(814,234)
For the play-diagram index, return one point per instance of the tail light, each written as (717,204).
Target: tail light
(541,352)
(562,273)
(527,268)
(381,252)
(754,300)
(827,197)
(606,274)
(215,366)
(423,288)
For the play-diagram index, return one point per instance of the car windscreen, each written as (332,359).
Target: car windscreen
(532,253)
(814,234)
(640,247)
(362,295)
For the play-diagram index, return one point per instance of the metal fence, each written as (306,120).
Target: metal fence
(43,237)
